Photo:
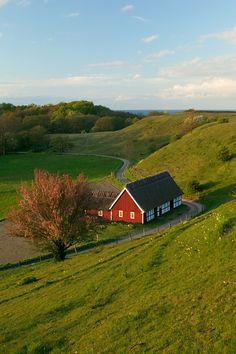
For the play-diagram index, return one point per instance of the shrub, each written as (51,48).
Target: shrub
(28,280)
(175,137)
(223,120)
(227,226)
(194,186)
(224,154)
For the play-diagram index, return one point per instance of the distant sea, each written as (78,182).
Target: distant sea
(147,111)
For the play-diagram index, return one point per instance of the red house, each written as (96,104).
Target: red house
(142,201)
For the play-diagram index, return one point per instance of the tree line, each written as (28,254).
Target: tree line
(28,127)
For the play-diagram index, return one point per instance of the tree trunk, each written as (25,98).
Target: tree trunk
(59,252)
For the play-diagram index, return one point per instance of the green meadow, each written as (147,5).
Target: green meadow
(169,293)
(16,169)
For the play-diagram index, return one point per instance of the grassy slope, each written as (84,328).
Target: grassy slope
(195,155)
(138,140)
(15,169)
(133,142)
(174,294)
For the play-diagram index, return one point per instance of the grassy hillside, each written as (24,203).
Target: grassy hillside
(195,156)
(169,294)
(15,169)
(133,142)
(141,139)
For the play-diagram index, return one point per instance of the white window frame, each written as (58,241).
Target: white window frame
(150,215)
(121,213)
(177,202)
(100,212)
(132,215)
(165,208)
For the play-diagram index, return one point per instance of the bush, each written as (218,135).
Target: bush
(224,154)
(175,137)
(223,120)
(60,144)
(28,280)
(194,186)
(227,226)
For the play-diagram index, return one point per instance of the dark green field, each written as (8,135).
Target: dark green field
(15,169)
(169,294)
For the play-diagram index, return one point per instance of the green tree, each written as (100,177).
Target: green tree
(60,144)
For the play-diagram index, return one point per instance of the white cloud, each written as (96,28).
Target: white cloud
(115,63)
(156,56)
(218,87)
(73,14)
(150,39)
(228,36)
(136,76)
(197,67)
(26,86)
(127,8)
(140,18)
(4,2)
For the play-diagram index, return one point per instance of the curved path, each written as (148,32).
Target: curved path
(17,249)
(119,173)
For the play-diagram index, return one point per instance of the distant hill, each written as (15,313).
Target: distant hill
(144,137)
(134,142)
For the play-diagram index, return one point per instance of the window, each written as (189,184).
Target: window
(132,215)
(150,215)
(177,202)
(100,213)
(165,207)
(120,213)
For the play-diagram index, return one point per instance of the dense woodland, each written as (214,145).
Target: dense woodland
(28,127)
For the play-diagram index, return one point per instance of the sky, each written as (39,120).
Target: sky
(140,54)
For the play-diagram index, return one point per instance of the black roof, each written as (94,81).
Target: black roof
(154,191)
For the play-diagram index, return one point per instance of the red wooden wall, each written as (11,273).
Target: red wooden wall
(127,205)
(106,214)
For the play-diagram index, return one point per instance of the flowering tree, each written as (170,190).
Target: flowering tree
(52,213)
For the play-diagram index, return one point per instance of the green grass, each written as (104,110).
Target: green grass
(170,293)
(133,142)
(15,169)
(195,156)
(140,139)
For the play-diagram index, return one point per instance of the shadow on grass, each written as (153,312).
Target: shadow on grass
(219,196)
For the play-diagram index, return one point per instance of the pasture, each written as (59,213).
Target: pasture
(19,168)
(169,293)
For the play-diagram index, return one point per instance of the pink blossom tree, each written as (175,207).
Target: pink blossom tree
(52,213)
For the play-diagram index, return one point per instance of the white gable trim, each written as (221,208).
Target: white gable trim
(117,198)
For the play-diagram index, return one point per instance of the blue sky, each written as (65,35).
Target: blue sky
(140,54)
